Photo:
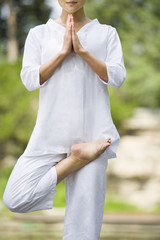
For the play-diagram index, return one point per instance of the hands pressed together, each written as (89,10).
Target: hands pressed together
(71,40)
(72,43)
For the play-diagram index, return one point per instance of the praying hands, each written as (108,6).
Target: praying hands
(71,43)
(71,40)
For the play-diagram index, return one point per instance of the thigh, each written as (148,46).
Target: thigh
(28,170)
(31,185)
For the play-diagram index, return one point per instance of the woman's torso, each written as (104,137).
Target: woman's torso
(74,102)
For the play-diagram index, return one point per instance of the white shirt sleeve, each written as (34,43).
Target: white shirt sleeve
(31,62)
(114,60)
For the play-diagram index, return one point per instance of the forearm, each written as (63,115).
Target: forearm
(47,69)
(96,64)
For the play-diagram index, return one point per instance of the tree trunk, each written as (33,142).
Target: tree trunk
(12,44)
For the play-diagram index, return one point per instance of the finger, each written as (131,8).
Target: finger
(68,19)
(72,23)
(68,23)
(71,17)
(73,29)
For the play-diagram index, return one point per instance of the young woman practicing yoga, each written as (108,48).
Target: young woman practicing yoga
(71,60)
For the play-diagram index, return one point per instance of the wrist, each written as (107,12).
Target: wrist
(63,53)
(82,51)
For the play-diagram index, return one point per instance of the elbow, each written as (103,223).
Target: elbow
(116,77)
(26,83)
(122,77)
(120,81)
(29,89)
(27,86)
(30,78)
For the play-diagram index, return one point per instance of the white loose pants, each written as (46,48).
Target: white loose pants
(32,187)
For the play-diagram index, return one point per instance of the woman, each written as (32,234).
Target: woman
(71,60)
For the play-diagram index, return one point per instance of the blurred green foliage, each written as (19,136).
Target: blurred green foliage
(112,204)
(17,110)
(137,22)
(4,175)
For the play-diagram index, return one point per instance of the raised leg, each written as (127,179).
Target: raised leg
(31,185)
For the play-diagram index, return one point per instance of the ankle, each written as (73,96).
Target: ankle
(77,162)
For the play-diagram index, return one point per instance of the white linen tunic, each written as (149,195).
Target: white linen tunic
(74,102)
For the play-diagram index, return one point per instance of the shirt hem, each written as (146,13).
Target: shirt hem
(58,150)
(109,154)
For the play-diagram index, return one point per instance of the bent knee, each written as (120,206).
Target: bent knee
(13,204)
(8,202)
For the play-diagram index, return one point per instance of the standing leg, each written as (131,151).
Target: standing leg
(85,198)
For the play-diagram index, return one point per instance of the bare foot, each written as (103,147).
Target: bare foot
(86,152)
(81,154)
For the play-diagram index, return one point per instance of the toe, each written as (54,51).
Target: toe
(108,139)
(101,148)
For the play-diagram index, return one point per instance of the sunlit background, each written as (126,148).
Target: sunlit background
(132,205)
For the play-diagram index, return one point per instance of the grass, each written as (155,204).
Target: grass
(4,175)
(157,208)
(114,205)
(59,200)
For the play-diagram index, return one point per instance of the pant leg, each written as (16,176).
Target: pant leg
(31,185)
(85,199)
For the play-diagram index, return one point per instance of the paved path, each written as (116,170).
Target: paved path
(49,225)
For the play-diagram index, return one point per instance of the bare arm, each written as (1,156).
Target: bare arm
(47,69)
(96,64)
(111,71)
